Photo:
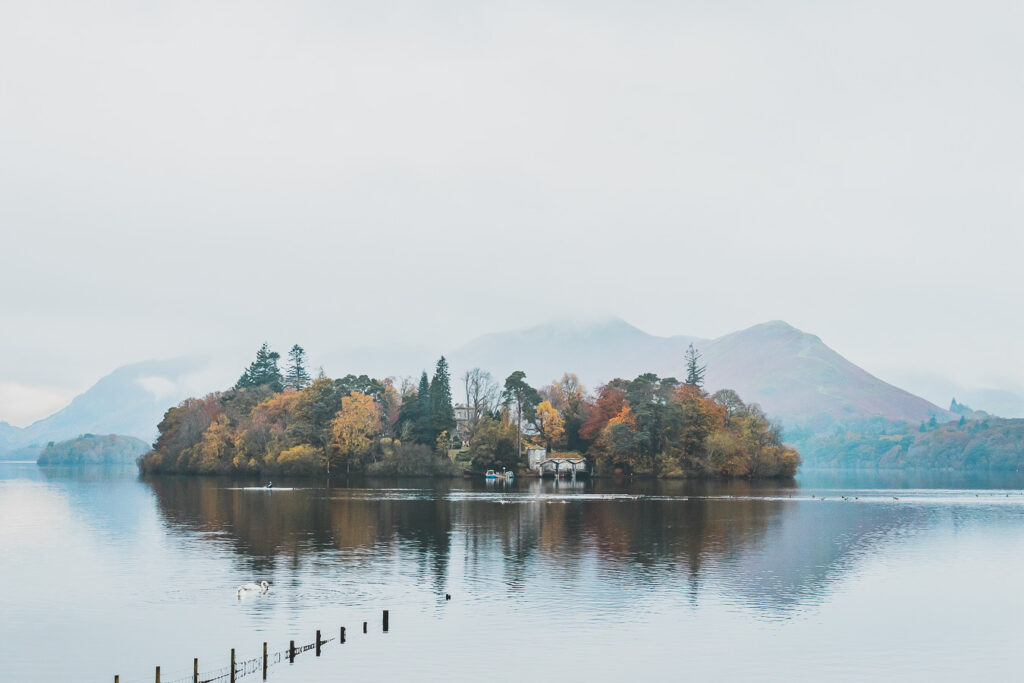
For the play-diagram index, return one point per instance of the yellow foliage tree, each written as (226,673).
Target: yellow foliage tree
(550,425)
(353,428)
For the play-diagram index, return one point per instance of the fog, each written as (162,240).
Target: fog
(200,176)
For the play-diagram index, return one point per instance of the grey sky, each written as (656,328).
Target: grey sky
(194,176)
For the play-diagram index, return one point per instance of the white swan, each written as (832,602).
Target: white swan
(261,587)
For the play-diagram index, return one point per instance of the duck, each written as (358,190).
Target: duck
(270,485)
(261,588)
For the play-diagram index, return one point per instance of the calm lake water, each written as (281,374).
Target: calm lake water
(104,573)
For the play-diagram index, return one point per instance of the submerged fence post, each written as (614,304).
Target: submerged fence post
(264,660)
(117,679)
(341,637)
(232,665)
(158,674)
(318,642)
(385,621)
(291,652)
(364,627)
(195,670)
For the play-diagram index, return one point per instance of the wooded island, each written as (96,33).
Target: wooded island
(288,423)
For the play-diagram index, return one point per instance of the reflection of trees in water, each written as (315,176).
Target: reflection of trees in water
(723,537)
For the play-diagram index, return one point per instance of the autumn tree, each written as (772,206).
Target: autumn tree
(353,428)
(262,371)
(313,412)
(550,426)
(567,395)
(296,376)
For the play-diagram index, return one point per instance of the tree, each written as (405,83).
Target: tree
(550,425)
(567,396)
(441,399)
(734,405)
(262,371)
(694,370)
(296,376)
(312,414)
(423,429)
(525,398)
(481,396)
(353,428)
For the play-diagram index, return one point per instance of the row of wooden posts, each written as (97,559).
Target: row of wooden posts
(292,651)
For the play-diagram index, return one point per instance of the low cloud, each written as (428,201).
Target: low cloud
(21,405)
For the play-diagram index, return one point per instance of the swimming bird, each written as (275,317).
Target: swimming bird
(270,484)
(261,588)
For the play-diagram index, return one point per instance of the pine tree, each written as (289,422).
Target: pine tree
(423,431)
(297,377)
(262,371)
(441,399)
(694,370)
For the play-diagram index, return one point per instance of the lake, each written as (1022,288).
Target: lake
(912,577)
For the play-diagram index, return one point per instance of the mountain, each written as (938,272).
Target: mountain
(596,350)
(130,401)
(793,375)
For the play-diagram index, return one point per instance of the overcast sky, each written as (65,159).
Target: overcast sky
(186,177)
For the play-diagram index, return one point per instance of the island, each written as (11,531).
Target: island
(94,449)
(272,422)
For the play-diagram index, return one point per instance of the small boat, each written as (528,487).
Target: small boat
(509,476)
(490,474)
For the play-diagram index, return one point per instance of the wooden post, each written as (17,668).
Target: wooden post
(195,670)
(291,652)
(117,679)
(232,665)
(385,621)
(318,642)
(158,674)
(341,636)
(364,627)
(264,661)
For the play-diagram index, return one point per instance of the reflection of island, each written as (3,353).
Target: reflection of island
(746,543)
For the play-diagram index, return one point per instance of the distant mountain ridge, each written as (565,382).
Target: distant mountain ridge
(131,401)
(793,375)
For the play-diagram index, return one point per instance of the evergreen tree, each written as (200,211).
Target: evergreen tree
(694,370)
(441,399)
(525,398)
(262,371)
(423,431)
(297,377)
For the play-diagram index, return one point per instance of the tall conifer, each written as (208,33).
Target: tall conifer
(441,398)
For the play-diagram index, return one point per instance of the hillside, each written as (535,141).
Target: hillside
(980,444)
(131,400)
(93,449)
(793,375)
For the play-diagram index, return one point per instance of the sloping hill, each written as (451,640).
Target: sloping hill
(796,377)
(130,401)
(596,350)
(793,375)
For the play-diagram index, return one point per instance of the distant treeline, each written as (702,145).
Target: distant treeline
(94,449)
(274,422)
(987,443)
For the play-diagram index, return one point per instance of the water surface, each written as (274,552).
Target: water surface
(838,576)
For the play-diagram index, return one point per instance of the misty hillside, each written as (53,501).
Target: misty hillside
(793,375)
(131,400)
